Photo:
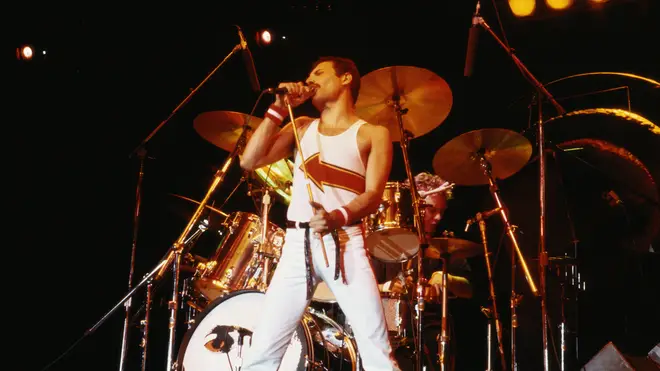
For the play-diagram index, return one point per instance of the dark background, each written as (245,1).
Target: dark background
(112,74)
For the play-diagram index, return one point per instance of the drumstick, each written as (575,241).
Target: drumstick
(442,188)
(304,169)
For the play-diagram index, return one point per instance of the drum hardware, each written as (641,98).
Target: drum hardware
(493,313)
(391,235)
(238,261)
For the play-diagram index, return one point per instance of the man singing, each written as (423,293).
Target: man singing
(348,162)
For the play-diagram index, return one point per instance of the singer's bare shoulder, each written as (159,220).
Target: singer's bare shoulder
(370,132)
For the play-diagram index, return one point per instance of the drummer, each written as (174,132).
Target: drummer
(458,283)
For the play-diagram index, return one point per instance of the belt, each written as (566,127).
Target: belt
(339,269)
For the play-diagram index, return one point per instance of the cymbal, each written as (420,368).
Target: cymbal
(456,247)
(506,151)
(223,128)
(218,211)
(425,95)
(278,176)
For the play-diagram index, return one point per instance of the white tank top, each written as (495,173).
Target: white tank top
(335,168)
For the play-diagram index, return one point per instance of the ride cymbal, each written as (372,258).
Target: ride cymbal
(425,95)
(458,160)
(223,128)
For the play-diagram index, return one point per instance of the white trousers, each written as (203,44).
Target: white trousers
(286,301)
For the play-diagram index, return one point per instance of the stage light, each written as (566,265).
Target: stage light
(598,1)
(522,8)
(25,52)
(264,37)
(558,4)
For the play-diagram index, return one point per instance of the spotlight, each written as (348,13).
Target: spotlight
(558,4)
(264,37)
(25,52)
(522,8)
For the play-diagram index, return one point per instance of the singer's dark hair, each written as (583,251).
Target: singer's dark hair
(342,66)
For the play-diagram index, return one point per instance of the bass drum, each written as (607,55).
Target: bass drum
(223,331)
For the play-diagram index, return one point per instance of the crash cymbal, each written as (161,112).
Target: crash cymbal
(506,151)
(223,128)
(218,211)
(425,95)
(279,177)
(456,247)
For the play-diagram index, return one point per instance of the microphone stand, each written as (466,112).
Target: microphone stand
(265,208)
(140,151)
(423,244)
(142,154)
(543,255)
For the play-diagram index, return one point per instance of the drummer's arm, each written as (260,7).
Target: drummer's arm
(457,285)
(379,164)
(270,144)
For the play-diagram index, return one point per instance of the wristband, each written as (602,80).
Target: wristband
(276,114)
(340,213)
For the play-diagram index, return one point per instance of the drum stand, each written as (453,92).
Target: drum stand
(421,281)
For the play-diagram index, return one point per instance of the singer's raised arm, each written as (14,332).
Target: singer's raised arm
(270,144)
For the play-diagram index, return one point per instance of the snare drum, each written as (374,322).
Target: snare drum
(238,262)
(391,235)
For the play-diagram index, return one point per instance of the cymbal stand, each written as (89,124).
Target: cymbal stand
(540,138)
(481,219)
(423,243)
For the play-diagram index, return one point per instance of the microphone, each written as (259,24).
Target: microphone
(277,91)
(249,62)
(473,37)
(309,89)
(484,215)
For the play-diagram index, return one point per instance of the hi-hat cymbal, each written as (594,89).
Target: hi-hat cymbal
(457,161)
(457,248)
(223,128)
(425,95)
(279,177)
